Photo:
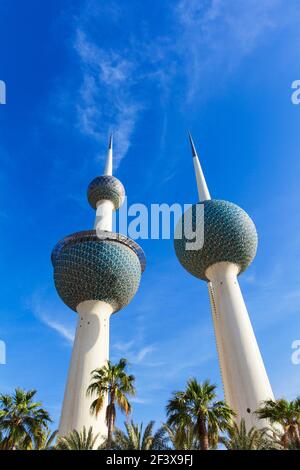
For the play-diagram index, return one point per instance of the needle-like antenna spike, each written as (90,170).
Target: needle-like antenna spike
(109,162)
(110,141)
(201,183)
(192,145)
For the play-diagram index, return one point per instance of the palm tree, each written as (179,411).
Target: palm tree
(137,439)
(182,438)
(1,441)
(77,440)
(21,419)
(197,407)
(111,380)
(44,440)
(241,439)
(287,415)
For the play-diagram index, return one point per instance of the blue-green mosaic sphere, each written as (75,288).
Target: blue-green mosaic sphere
(229,235)
(106,187)
(87,267)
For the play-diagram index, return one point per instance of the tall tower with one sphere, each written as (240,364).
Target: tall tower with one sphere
(96,273)
(229,246)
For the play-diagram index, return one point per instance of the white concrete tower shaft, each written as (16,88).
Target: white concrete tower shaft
(105,207)
(244,376)
(90,352)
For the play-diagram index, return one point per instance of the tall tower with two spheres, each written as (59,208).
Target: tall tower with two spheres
(96,272)
(229,246)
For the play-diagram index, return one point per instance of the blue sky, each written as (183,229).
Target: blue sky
(75,70)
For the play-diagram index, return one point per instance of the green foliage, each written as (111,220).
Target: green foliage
(22,421)
(196,420)
(238,438)
(182,437)
(135,438)
(197,408)
(112,381)
(82,440)
(286,414)
(45,440)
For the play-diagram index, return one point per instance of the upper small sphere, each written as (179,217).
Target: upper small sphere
(229,235)
(89,267)
(106,187)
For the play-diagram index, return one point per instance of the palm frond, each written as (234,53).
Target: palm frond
(83,440)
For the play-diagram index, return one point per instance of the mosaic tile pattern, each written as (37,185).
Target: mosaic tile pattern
(90,268)
(229,235)
(106,187)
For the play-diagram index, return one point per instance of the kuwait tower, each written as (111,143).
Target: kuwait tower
(229,246)
(96,273)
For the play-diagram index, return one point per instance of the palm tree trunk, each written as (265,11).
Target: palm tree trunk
(203,434)
(285,440)
(109,433)
(297,434)
(110,421)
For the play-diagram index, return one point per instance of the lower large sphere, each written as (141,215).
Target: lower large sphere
(89,268)
(229,235)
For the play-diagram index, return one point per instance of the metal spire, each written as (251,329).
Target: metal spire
(203,191)
(108,166)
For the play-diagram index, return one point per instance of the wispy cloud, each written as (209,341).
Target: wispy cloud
(117,81)
(106,100)
(63,330)
(140,401)
(42,309)
(142,354)
(134,354)
(123,347)
(217,34)
(111,91)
